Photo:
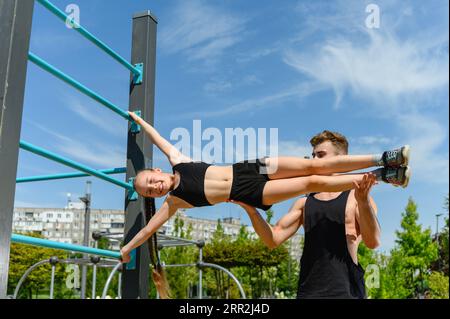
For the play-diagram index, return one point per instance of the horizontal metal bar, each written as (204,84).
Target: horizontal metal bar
(74,83)
(179,265)
(21,239)
(77,27)
(57,158)
(111,171)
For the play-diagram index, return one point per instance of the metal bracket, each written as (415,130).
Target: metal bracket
(131,265)
(132,194)
(135,128)
(138,78)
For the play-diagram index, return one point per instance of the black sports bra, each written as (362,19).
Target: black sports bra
(192,183)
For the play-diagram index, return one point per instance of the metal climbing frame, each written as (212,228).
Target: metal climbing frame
(15,31)
(165,241)
(53,261)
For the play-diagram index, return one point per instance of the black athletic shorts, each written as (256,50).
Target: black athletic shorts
(248,183)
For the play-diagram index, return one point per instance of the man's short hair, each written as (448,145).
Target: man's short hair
(337,139)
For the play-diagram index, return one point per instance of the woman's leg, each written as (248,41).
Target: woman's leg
(287,167)
(279,190)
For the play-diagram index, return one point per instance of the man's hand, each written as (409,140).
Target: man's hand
(362,189)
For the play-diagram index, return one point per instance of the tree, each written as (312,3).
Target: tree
(443,243)
(415,253)
(438,285)
(24,256)
(269,214)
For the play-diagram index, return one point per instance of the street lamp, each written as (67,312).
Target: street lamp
(87,217)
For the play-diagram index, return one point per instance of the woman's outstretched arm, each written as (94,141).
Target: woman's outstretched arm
(166,211)
(173,154)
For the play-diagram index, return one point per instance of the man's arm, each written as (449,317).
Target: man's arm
(286,227)
(366,213)
(172,153)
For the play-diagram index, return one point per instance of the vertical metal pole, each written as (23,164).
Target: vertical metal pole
(94,276)
(52,282)
(140,150)
(15,29)
(94,279)
(87,220)
(119,288)
(200,274)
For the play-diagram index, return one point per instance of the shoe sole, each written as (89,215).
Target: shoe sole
(407,177)
(406,151)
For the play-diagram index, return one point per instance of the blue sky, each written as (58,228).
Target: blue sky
(299,66)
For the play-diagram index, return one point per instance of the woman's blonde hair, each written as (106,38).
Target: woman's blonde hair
(158,274)
(160,281)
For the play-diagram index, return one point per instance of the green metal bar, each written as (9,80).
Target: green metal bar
(57,158)
(74,83)
(21,239)
(64,17)
(111,171)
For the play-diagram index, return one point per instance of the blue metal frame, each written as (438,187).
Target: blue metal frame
(77,85)
(111,171)
(21,239)
(83,168)
(137,70)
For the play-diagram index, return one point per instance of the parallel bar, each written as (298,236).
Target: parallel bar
(74,83)
(21,239)
(140,151)
(15,29)
(54,157)
(111,171)
(64,17)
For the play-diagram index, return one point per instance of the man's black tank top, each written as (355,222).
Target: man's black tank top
(326,267)
(192,183)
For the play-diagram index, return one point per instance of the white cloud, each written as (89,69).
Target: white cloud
(293,148)
(26,204)
(93,153)
(371,140)
(398,75)
(201,31)
(217,86)
(107,123)
(426,137)
(297,92)
(383,68)
(257,54)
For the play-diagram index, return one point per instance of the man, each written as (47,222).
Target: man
(335,224)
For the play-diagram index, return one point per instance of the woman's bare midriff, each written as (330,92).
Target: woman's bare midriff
(218,182)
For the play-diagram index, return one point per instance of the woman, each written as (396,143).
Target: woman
(260,183)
